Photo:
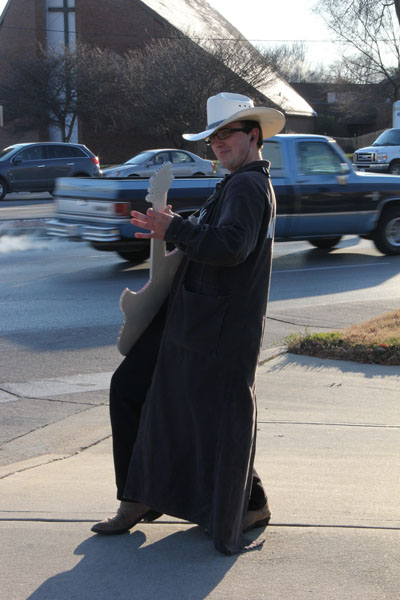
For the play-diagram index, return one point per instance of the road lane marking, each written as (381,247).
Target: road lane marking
(329,268)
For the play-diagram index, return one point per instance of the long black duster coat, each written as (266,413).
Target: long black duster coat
(193,456)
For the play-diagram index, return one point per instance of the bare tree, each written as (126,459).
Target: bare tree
(154,93)
(160,90)
(290,61)
(172,79)
(100,98)
(55,88)
(369,31)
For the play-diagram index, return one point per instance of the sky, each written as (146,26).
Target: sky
(282,21)
(277,22)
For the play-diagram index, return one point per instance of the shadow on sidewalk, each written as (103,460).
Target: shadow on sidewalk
(181,565)
(315,365)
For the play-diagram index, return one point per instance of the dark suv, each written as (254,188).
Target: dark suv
(35,167)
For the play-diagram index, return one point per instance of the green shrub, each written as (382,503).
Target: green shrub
(334,345)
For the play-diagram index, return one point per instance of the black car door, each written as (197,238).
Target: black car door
(28,170)
(64,161)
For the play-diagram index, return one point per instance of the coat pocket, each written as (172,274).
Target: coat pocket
(197,320)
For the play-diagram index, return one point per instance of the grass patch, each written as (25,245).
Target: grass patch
(375,341)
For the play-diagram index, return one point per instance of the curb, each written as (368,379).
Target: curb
(271,353)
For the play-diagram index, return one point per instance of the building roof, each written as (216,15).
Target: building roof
(207,24)
(203,24)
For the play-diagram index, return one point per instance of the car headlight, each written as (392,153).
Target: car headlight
(381,157)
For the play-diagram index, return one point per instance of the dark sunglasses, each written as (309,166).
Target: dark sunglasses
(223,134)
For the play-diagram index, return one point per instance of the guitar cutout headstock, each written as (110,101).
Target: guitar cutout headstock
(159,185)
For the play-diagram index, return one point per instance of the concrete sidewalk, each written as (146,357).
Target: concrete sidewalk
(328,452)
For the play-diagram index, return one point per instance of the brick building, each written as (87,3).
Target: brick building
(348,109)
(121,25)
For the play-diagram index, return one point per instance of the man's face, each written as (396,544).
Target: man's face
(237,150)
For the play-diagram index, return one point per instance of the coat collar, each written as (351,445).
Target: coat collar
(260,166)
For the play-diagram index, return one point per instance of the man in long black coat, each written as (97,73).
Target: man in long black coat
(188,449)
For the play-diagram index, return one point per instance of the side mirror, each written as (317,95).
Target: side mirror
(344,168)
(17,160)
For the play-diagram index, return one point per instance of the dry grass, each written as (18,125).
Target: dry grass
(383,329)
(375,341)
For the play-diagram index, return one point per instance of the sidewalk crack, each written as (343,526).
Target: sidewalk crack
(52,460)
(49,399)
(321,423)
(85,409)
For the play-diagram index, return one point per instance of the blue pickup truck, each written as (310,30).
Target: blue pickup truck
(320,198)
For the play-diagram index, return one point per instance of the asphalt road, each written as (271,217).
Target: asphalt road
(321,291)
(59,318)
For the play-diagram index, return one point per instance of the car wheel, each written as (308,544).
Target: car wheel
(3,189)
(387,234)
(136,256)
(394,168)
(325,242)
(199,175)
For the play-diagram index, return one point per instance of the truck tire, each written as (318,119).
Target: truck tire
(394,168)
(136,256)
(325,242)
(3,188)
(387,234)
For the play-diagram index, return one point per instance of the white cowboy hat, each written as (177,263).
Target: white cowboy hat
(225,108)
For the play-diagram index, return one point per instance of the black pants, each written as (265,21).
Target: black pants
(129,385)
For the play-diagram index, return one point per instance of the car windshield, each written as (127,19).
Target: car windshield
(140,158)
(391,137)
(6,151)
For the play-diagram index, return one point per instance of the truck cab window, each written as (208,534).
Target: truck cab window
(272,151)
(315,158)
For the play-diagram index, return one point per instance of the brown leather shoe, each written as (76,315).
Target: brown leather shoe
(256,518)
(128,515)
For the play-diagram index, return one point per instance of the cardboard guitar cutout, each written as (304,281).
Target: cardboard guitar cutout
(141,307)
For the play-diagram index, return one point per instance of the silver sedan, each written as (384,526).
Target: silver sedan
(184,164)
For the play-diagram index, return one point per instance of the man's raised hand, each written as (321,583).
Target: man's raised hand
(156,222)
